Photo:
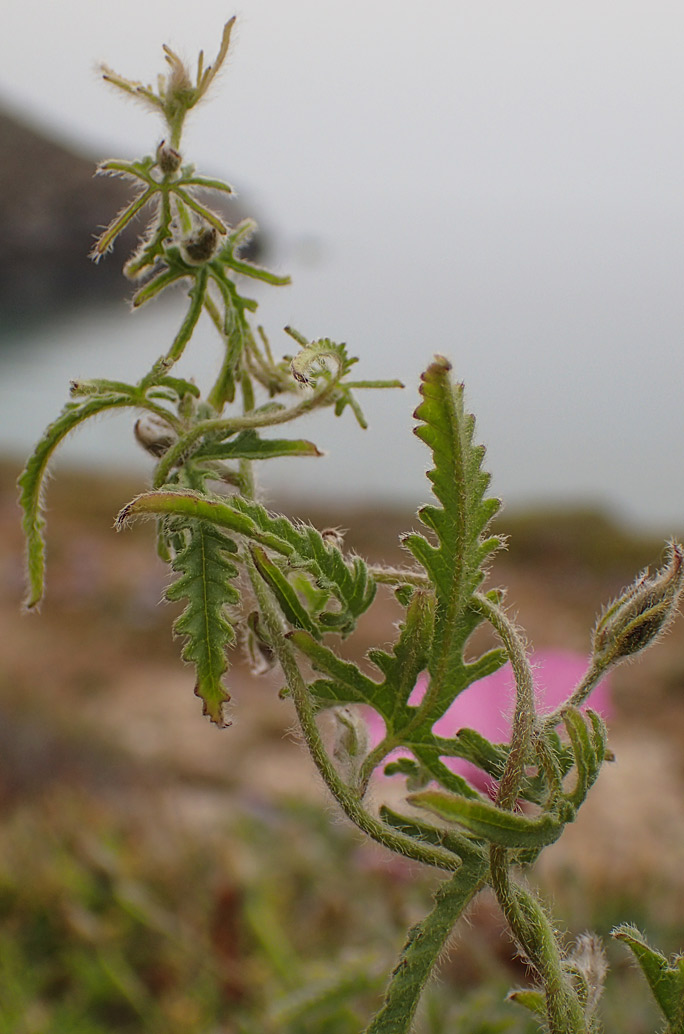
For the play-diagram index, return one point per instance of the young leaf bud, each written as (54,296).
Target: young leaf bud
(588,963)
(642,613)
(351,738)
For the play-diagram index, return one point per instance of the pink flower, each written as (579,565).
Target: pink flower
(487,705)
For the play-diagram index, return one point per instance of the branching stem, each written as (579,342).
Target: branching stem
(347,798)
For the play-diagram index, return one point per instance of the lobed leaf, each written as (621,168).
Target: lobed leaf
(305,548)
(455,568)
(206,572)
(406,725)
(455,564)
(346,578)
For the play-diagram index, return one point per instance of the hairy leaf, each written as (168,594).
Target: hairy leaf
(205,574)
(248,445)
(486,820)
(665,977)
(304,548)
(455,569)
(91,402)
(455,564)
(347,579)
(283,591)
(406,725)
(452,840)
(532,999)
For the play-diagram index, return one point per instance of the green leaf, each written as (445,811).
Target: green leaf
(508,828)
(406,725)
(424,944)
(458,843)
(588,747)
(185,503)
(531,999)
(347,685)
(455,564)
(347,579)
(205,574)
(310,362)
(665,977)
(285,593)
(32,478)
(248,445)
(196,294)
(237,334)
(455,568)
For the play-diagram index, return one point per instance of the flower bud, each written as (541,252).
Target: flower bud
(642,613)
(259,650)
(168,158)
(200,246)
(333,537)
(154,434)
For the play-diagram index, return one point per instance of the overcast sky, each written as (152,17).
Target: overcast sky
(499,181)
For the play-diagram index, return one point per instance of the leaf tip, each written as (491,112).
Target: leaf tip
(217,711)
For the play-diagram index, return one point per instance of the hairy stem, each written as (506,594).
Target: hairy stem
(228,425)
(594,674)
(346,797)
(425,941)
(524,716)
(535,934)
(525,916)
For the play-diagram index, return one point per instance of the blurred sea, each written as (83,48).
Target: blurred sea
(571,409)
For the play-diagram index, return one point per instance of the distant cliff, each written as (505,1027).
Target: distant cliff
(50,209)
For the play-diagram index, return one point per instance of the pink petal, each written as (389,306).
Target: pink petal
(487,705)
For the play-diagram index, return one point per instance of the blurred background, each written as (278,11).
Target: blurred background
(499,182)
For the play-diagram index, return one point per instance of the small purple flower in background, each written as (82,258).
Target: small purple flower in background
(487,705)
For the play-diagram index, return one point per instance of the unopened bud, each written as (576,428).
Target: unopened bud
(154,434)
(333,537)
(588,963)
(259,650)
(168,158)
(642,613)
(200,246)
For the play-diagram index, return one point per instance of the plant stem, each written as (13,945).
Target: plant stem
(524,716)
(535,934)
(424,943)
(594,674)
(228,425)
(525,916)
(347,798)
